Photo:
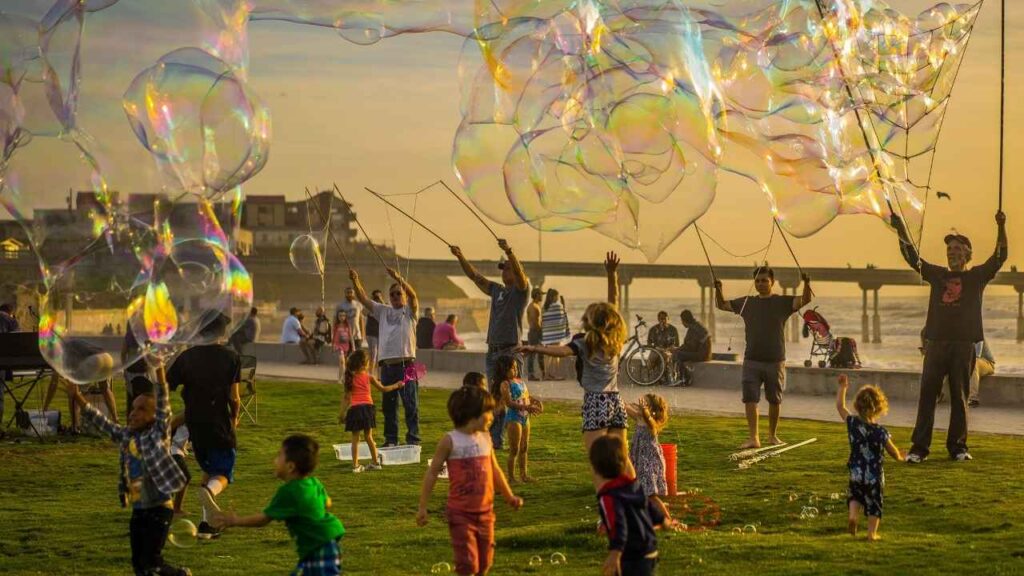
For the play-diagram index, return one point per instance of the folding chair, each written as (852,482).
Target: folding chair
(250,401)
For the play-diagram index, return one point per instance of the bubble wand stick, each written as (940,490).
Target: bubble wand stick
(330,233)
(463,202)
(406,214)
(360,224)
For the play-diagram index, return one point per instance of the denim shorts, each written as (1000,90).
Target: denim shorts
(216,461)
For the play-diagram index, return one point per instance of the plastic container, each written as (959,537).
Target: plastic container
(344,451)
(670,467)
(45,423)
(395,455)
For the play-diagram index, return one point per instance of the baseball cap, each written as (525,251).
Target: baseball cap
(959,238)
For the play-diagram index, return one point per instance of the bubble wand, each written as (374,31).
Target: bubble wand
(330,232)
(360,225)
(463,202)
(791,252)
(406,214)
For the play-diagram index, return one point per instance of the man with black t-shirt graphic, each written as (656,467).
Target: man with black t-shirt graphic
(953,329)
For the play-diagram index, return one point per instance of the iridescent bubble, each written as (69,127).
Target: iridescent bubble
(200,121)
(557,558)
(306,255)
(536,561)
(441,568)
(835,496)
(750,529)
(182,533)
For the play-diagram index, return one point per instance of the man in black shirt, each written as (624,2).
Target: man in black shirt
(210,376)
(953,327)
(764,360)
(425,330)
(663,335)
(696,348)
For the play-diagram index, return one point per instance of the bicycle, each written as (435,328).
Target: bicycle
(645,364)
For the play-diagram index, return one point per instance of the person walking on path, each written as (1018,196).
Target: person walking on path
(764,360)
(505,327)
(397,351)
(535,334)
(953,328)
(356,317)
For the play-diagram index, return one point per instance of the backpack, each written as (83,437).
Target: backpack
(844,354)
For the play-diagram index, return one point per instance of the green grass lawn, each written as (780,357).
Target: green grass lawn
(59,512)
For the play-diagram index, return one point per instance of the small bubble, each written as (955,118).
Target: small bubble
(558,558)
(441,568)
(536,560)
(834,496)
(182,533)
(793,497)
(750,529)
(737,530)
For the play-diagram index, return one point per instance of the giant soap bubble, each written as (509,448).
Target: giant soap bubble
(200,121)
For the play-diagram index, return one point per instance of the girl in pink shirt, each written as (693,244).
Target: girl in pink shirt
(473,473)
(341,340)
(357,409)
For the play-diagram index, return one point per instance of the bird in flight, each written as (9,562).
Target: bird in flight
(942,195)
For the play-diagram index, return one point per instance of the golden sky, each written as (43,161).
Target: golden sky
(384,116)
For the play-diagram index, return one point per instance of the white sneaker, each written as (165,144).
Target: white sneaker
(963,456)
(207,501)
(913,458)
(373,466)
(358,469)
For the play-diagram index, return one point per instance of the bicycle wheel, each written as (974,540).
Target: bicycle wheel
(645,366)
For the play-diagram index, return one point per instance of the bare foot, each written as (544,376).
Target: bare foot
(512,479)
(527,478)
(874,536)
(775,441)
(851,526)
(752,443)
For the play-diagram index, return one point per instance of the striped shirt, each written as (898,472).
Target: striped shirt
(554,325)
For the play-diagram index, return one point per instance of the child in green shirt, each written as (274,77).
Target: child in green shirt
(302,503)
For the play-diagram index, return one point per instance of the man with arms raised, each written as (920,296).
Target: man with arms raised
(953,328)
(764,360)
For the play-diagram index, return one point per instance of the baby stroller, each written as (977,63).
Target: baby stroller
(829,350)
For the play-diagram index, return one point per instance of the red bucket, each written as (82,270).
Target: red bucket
(670,467)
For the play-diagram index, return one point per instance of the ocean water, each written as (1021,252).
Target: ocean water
(902,320)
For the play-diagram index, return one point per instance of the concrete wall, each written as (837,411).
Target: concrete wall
(898,384)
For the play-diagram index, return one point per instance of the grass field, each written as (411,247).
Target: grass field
(59,512)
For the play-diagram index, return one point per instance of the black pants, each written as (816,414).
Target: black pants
(942,359)
(148,532)
(638,566)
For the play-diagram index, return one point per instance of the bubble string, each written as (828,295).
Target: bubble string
(330,235)
(704,248)
(1002,98)
(360,224)
(325,232)
(406,214)
(412,229)
(473,212)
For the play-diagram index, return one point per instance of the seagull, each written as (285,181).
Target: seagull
(942,195)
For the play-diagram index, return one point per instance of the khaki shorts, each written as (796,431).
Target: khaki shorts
(770,374)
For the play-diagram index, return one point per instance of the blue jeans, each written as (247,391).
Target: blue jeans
(410,395)
(493,353)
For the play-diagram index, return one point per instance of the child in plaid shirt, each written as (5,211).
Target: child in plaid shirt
(302,503)
(149,475)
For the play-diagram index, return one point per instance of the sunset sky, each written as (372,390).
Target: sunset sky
(384,116)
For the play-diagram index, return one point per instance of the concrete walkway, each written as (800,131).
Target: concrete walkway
(704,400)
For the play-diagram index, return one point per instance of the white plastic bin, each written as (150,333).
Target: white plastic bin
(45,423)
(395,455)
(344,451)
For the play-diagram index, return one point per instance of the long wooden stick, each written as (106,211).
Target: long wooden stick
(330,232)
(463,202)
(360,225)
(406,214)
